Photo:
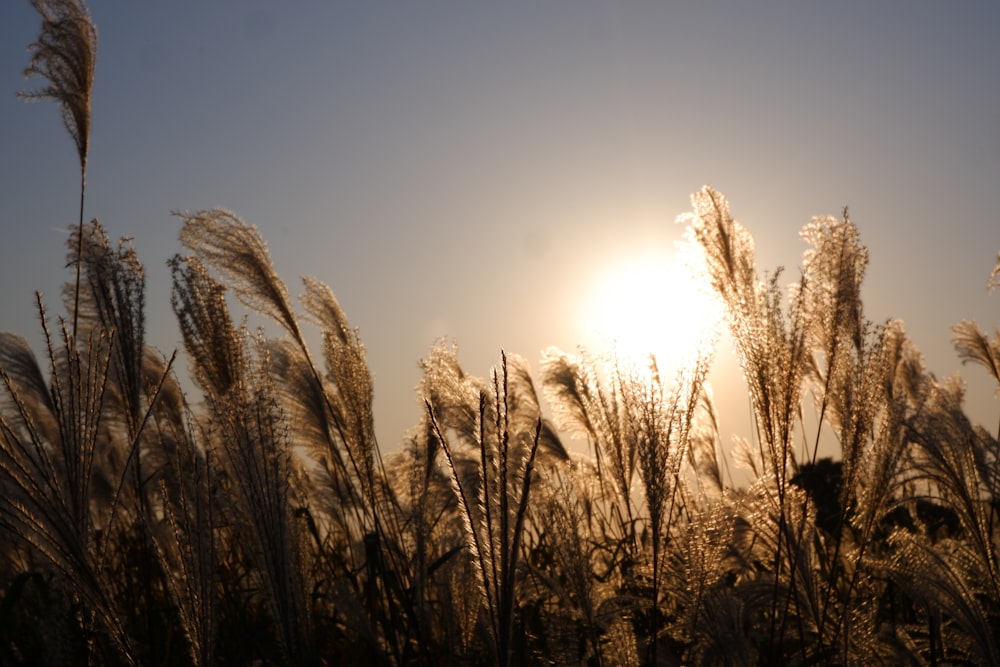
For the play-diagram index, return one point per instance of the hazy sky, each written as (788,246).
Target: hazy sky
(475,169)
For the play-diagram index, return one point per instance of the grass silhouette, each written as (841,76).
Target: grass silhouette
(261,523)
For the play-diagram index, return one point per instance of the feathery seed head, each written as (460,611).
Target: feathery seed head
(974,345)
(223,241)
(66,54)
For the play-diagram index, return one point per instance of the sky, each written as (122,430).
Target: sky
(483,171)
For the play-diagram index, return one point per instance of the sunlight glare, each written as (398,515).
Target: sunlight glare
(651,304)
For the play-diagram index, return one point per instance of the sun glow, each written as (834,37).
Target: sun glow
(651,303)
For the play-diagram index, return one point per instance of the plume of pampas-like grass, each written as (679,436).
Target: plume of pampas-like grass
(65,54)
(494,513)
(220,239)
(974,345)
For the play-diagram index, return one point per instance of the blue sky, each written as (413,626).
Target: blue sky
(473,169)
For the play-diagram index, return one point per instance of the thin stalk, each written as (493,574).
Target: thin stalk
(508,606)
(133,451)
(466,507)
(79,247)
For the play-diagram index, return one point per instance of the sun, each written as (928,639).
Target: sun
(650,303)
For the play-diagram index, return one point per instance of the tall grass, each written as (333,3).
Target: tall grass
(145,529)
(259,521)
(65,54)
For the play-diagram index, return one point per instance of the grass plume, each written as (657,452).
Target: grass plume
(65,54)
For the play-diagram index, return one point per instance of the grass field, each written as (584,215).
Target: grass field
(259,522)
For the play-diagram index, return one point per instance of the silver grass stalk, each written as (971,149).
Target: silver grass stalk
(705,451)
(565,535)
(335,495)
(113,299)
(664,417)
(696,567)
(220,239)
(771,345)
(190,559)
(245,428)
(474,542)
(351,460)
(874,443)
(185,542)
(47,472)
(223,241)
(943,577)
(208,332)
(90,423)
(974,346)
(495,517)
(250,438)
(66,55)
(850,367)
(952,456)
(834,268)
(594,398)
